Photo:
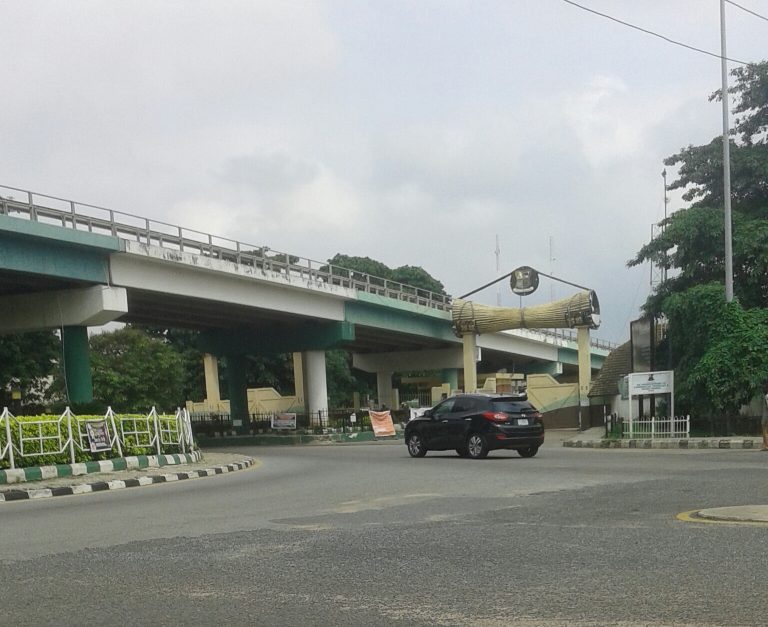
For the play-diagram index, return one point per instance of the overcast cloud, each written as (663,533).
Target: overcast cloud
(411,132)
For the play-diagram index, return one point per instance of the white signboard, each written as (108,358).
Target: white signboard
(283,421)
(650,384)
(644,383)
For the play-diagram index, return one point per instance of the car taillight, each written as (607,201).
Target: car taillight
(495,416)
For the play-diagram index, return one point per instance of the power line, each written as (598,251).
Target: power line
(745,9)
(650,32)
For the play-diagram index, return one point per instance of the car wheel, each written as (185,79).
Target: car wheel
(476,446)
(528,451)
(416,446)
(462,452)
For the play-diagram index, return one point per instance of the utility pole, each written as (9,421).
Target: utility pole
(664,227)
(726,162)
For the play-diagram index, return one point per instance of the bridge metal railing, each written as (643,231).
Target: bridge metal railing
(95,219)
(65,213)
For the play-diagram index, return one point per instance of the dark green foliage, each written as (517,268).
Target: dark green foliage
(408,275)
(184,342)
(42,436)
(719,351)
(343,380)
(133,371)
(692,246)
(26,361)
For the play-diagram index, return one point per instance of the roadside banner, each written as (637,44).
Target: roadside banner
(283,421)
(98,435)
(381,421)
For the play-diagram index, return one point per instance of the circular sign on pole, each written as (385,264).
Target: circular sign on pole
(524,281)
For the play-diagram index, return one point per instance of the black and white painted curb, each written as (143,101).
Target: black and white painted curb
(681,443)
(118,484)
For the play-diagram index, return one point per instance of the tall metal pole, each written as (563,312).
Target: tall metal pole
(664,226)
(726,162)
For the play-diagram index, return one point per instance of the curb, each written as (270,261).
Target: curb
(20,494)
(135,462)
(292,440)
(682,443)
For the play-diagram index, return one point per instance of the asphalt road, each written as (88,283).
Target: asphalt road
(365,535)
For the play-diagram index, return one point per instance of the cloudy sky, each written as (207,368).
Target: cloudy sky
(412,132)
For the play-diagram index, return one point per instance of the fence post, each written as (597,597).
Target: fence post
(7,415)
(653,427)
(68,414)
(111,417)
(180,433)
(153,413)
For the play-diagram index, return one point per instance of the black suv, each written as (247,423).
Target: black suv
(475,424)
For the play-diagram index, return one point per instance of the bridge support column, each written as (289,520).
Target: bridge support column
(451,377)
(299,388)
(77,364)
(585,374)
(469,342)
(211,369)
(317,389)
(384,388)
(238,393)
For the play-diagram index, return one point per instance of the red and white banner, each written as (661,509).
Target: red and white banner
(381,421)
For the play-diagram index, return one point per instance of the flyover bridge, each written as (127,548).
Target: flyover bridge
(70,265)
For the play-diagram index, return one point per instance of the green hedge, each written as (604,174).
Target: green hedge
(138,444)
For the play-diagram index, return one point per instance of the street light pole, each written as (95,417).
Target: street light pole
(664,226)
(726,162)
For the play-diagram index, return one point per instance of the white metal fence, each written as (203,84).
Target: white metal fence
(663,427)
(68,434)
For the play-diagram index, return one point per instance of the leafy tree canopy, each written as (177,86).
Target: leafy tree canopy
(133,371)
(692,244)
(409,275)
(719,351)
(28,360)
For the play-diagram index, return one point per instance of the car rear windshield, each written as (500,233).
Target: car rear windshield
(511,406)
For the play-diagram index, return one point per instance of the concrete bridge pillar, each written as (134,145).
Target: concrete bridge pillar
(298,379)
(469,343)
(238,393)
(317,390)
(384,388)
(211,370)
(585,374)
(77,364)
(451,377)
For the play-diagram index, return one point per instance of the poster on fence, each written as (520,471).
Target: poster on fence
(98,435)
(381,421)
(283,421)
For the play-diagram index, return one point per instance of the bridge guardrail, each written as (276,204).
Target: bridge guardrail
(66,213)
(95,219)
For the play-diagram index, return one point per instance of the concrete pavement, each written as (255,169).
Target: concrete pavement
(47,484)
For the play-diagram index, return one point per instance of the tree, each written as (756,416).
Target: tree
(133,372)
(343,380)
(184,342)
(414,276)
(27,363)
(719,350)
(692,244)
